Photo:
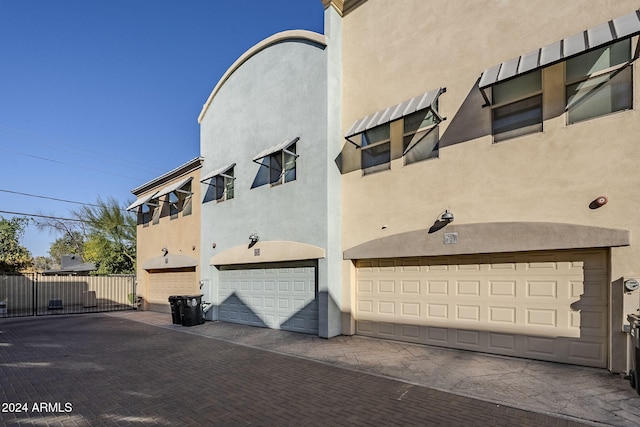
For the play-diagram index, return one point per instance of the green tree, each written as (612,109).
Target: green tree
(13,256)
(72,242)
(41,263)
(103,233)
(111,237)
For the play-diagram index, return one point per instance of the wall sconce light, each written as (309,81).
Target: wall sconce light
(253,239)
(165,251)
(447,216)
(599,202)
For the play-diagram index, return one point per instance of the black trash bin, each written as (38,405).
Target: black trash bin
(634,321)
(176,309)
(192,314)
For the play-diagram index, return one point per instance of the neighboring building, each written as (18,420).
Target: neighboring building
(460,174)
(71,265)
(271,252)
(521,125)
(168,236)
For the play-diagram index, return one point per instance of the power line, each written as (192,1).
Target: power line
(48,198)
(36,139)
(42,216)
(69,164)
(55,199)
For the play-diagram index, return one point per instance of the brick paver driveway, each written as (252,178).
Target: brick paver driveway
(91,370)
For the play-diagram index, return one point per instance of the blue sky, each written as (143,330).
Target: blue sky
(98,97)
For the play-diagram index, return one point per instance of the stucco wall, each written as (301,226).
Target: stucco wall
(277,93)
(393,53)
(180,236)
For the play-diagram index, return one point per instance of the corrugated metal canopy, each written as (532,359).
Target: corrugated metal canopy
(173,187)
(276,148)
(617,29)
(390,114)
(217,172)
(141,201)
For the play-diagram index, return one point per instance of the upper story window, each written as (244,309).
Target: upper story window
(376,149)
(224,185)
(177,198)
(156,210)
(180,201)
(147,208)
(410,128)
(516,107)
(599,82)
(282,165)
(281,161)
(222,182)
(598,77)
(420,137)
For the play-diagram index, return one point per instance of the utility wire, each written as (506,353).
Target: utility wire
(54,198)
(42,216)
(36,139)
(69,164)
(48,198)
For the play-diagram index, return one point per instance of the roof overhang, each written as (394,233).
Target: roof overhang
(169,261)
(142,200)
(220,171)
(280,147)
(495,237)
(176,186)
(425,101)
(617,29)
(269,251)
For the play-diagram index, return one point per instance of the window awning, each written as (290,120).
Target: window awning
(174,187)
(141,201)
(280,147)
(220,171)
(610,32)
(395,112)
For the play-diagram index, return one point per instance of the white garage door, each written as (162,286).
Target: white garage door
(539,305)
(163,284)
(278,297)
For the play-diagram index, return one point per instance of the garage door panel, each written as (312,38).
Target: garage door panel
(279,298)
(162,285)
(538,305)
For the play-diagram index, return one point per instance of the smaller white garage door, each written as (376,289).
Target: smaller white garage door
(163,284)
(274,296)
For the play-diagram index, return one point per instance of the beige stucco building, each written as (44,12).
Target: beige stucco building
(499,216)
(168,236)
(465,175)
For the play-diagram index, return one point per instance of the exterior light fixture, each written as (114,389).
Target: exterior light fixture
(447,216)
(253,239)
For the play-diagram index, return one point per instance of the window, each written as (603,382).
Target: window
(376,149)
(155,212)
(280,161)
(417,141)
(224,185)
(517,106)
(180,200)
(282,165)
(420,137)
(599,82)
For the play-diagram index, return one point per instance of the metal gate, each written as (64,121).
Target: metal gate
(35,294)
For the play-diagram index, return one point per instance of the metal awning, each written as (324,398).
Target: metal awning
(141,201)
(280,147)
(220,171)
(610,32)
(395,112)
(174,187)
